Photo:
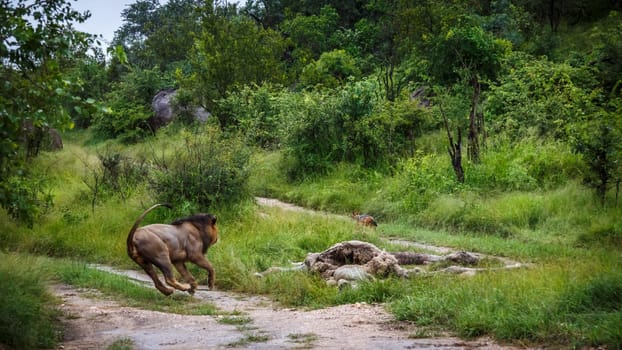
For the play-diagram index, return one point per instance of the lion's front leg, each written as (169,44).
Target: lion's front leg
(201,261)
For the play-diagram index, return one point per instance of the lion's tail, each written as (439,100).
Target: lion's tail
(130,236)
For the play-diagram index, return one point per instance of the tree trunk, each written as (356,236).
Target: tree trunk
(474,123)
(454,149)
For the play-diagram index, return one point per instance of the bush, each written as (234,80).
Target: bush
(209,169)
(331,70)
(326,128)
(540,95)
(420,180)
(115,174)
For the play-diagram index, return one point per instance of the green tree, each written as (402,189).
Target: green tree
(467,55)
(172,38)
(38,42)
(599,140)
(229,52)
(140,21)
(154,35)
(311,34)
(554,12)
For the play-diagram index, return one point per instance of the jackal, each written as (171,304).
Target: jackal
(364,219)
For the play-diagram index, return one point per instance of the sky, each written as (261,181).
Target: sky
(105,16)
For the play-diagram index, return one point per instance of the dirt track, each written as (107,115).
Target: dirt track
(94,323)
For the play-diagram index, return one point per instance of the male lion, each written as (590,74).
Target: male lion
(171,245)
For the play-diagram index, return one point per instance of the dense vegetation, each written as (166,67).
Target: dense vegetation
(491,126)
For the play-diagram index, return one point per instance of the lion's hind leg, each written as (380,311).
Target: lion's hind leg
(181,267)
(167,270)
(163,262)
(148,267)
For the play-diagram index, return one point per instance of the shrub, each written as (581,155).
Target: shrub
(539,94)
(209,169)
(326,128)
(309,138)
(25,196)
(115,174)
(420,180)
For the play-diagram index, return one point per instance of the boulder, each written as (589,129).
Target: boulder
(422,94)
(165,110)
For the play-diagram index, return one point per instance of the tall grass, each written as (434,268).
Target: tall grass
(27,309)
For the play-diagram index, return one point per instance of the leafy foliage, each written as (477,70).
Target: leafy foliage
(37,42)
(256,111)
(209,170)
(330,70)
(228,53)
(326,128)
(541,95)
(129,105)
(310,33)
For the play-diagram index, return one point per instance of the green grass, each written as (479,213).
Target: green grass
(519,306)
(569,297)
(27,309)
(121,344)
